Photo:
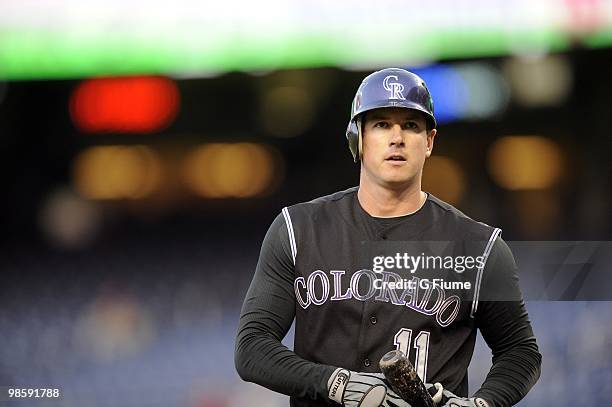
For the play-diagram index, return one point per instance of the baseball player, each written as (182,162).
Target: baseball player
(353,269)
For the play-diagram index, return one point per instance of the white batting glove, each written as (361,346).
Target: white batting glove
(354,389)
(466,402)
(451,400)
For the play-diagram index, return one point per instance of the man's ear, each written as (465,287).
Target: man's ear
(431,135)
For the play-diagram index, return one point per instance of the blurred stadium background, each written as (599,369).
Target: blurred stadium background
(147,146)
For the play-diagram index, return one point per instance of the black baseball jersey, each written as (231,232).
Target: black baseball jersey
(359,286)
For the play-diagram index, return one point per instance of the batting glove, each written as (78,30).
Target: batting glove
(451,400)
(353,389)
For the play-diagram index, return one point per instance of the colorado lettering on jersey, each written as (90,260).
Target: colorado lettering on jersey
(364,285)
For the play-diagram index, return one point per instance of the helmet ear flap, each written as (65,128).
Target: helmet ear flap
(359,137)
(353,136)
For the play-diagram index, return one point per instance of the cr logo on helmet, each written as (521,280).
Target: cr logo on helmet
(395,88)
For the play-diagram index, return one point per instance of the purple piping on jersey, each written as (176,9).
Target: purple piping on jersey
(485,255)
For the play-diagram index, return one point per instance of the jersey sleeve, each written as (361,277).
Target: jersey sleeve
(504,323)
(267,313)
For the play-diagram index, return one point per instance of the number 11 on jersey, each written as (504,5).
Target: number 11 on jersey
(403,339)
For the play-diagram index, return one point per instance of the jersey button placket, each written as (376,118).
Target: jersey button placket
(373,319)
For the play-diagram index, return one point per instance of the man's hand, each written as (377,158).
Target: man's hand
(353,389)
(451,400)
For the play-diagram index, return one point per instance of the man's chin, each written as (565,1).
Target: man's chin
(398,182)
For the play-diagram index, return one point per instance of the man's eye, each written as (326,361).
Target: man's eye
(411,125)
(381,124)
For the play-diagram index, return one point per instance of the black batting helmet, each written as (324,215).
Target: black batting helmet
(391,87)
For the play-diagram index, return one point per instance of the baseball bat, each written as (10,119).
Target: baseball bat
(404,380)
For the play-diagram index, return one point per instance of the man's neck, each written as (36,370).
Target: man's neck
(379,201)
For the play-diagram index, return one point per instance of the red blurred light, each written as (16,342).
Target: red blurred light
(124,105)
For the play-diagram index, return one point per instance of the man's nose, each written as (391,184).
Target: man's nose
(396,135)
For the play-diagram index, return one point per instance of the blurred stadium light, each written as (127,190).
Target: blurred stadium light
(124,105)
(444,177)
(525,162)
(290,100)
(211,170)
(489,92)
(68,220)
(286,111)
(539,80)
(465,91)
(117,172)
(448,89)
(232,170)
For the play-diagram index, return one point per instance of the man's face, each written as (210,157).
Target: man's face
(395,146)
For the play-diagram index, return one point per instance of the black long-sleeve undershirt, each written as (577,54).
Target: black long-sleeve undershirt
(267,314)
(505,327)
